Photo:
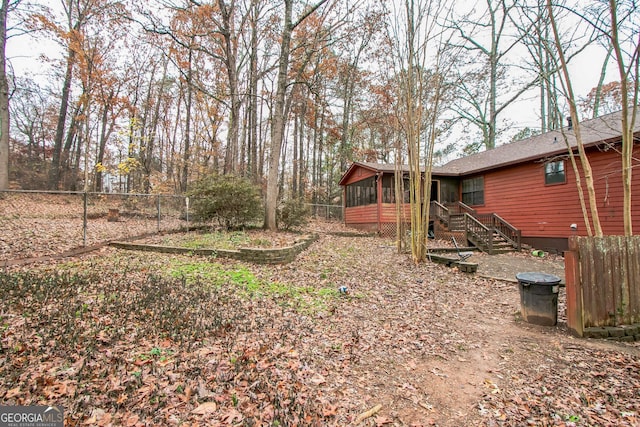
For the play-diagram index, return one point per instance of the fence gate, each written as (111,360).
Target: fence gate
(603,286)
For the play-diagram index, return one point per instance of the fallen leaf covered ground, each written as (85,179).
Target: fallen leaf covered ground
(129,338)
(37,225)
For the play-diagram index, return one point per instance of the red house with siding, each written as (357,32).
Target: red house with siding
(525,191)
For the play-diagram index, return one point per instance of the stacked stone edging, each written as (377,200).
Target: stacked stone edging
(255,255)
(614,333)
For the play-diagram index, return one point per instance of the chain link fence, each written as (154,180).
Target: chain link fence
(36,223)
(326,212)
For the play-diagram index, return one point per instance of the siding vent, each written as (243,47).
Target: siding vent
(569,123)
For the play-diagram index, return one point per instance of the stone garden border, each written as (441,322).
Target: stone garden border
(256,255)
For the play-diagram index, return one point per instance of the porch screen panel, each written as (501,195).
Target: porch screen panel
(473,191)
(362,193)
(389,189)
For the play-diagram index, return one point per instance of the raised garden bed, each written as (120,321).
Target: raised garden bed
(260,255)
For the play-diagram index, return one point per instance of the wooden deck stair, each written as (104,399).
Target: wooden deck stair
(488,232)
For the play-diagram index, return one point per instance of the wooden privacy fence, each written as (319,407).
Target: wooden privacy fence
(603,286)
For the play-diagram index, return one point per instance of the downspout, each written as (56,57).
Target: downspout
(379,200)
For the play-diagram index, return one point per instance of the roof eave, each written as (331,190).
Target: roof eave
(353,166)
(615,139)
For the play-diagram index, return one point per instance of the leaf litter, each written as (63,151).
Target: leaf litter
(116,339)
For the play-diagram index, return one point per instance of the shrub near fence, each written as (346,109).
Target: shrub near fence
(603,286)
(36,224)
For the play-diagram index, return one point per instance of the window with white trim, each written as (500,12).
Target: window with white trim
(554,173)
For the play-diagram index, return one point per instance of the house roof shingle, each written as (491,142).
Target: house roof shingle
(601,129)
(604,129)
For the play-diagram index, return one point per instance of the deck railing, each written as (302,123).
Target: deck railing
(479,234)
(507,231)
(439,212)
(480,229)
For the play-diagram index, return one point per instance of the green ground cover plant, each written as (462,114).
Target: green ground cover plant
(217,240)
(137,338)
(120,339)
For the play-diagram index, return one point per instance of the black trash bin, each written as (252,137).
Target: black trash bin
(539,297)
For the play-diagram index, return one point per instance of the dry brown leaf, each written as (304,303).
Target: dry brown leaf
(205,408)
(11,393)
(232,416)
(132,420)
(371,412)
(318,379)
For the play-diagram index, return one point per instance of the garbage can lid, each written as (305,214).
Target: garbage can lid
(536,278)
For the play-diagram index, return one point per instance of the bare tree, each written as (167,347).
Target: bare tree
(490,39)
(278,116)
(617,23)
(421,83)
(625,41)
(533,25)
(4,99)
(76,16)
(354,45)
(255,11)
(560,52)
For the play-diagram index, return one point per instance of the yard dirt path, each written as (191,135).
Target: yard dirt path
(434,346)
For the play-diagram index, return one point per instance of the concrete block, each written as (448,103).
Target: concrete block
(596,333)
(615,331)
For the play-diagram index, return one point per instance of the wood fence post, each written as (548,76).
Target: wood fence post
(575,318)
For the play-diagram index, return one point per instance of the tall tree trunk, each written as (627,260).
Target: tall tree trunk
(347,90)
(101,147)
(603,75)
(302,165)
(130,183)
(187,126)
(4,100)
(584,160)
(314,160)
(56,159)
(74,170)
(320,144)
(252,149)
(628,113)
(261,146)
(152,129)
(493,83)
(294,171)
(230,50)
(278,120)
(280,110)
(242,160)
(66,158)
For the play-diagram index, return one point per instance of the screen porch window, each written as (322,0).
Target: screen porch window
(554,173)
(389,189)
(473,191)
(362,193)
